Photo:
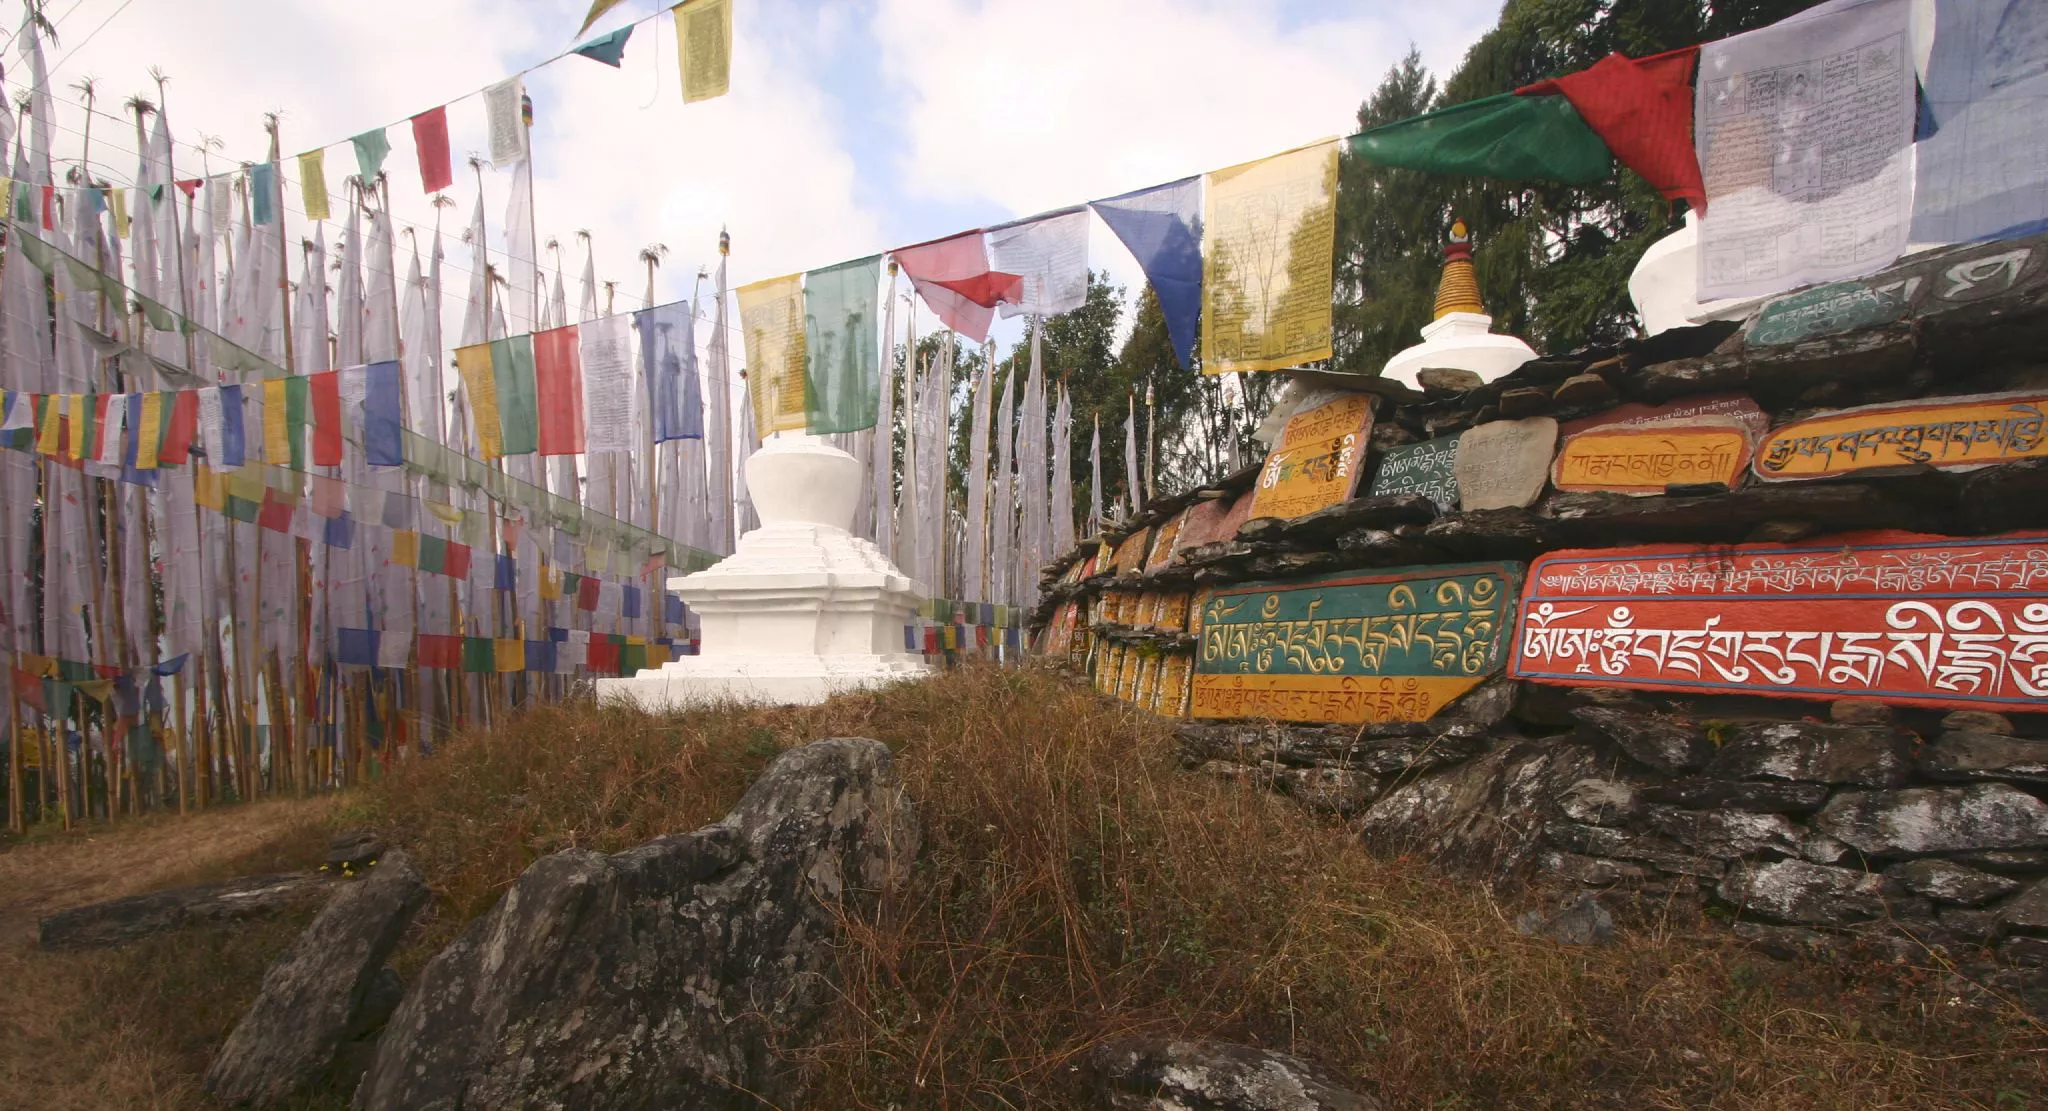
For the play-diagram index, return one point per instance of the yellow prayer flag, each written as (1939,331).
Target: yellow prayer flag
(247,483)
(1268,252)
(120,197)
(474,364)
(81,406)
(277,437)
(41,666)
(445,513)
(510,654)
(313,183)
(657,655)
(99,690)
(208,491)
(150,431)
(50,436)
(550,584)
(704,47)
(772,323)
(405,548)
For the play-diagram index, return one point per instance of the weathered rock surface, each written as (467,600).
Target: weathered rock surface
(1806,894)
(1960,755)
(662,976)
(1658,741)
(354,849)
(1725,834)
(1488,811)
(313,997)
(119,921)
(2030,910)
(1948,882)
(1935,819)
(1139,1074)
(1810,752)
(1763,798)
(1583,921)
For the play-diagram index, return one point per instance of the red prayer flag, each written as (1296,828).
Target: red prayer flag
(1642,109)
(586,596)
(28,689)
(276,514)
(603,656)
(558,391)
(326,391)
(456,564)
(953,277)
(436,650)
(190,186)
(430,138)
(178,432)
(49,207)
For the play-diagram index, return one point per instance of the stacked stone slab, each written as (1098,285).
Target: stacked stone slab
(1828,815)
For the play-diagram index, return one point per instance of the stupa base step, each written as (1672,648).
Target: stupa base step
(780,680)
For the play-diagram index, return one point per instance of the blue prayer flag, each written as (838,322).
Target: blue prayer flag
(673,610)
(507,576)
(339,532)
(668,352)
(540,655)
(1162,227)
(1979,174)
(383,416)
(233,448)
(629,601)
(356,646)
(263,192)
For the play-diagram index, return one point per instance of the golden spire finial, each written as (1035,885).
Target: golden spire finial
(1458,291)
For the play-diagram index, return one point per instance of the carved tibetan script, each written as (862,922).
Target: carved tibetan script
(1644,459)
(1907,618)
(1955,433)
(1393,646)
(1315,463)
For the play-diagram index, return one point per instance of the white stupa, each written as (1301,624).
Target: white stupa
(803,609)
(1462,336)
(1665,284)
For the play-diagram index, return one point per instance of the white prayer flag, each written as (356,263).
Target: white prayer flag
(1051,254)
(1805,138)
(611,398)
(507,129)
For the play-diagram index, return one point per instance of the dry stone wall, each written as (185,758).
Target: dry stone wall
(1753,611)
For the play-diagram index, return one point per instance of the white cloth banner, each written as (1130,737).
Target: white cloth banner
(1805,136)
(110,435)
(1983,172)
(611,399)
(1051,254)
(507,129)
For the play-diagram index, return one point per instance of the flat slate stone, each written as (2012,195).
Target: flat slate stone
(1505,464)
(119,921)
(1936,819)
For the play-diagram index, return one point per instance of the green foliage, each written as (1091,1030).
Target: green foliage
(1552,260)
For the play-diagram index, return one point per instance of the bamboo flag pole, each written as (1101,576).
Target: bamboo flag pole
(17,812)
(288,713)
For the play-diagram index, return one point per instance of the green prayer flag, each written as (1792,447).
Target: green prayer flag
(39,254)
(371,147)
(57,698)
(518,407)
(433,554)
(24,202)
(632,658)
(240,509)
(298,394)
(1509,137)
(479,655)
(159,316)
(842,346)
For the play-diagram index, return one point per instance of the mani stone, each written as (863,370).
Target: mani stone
(1965,756)
(1444,379)
(311,995)
(1504,464)
(1935,819)
(1945,881)
(1808,752)
(1807,894)
(1585,391)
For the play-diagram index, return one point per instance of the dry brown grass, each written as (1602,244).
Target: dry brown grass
(1075,885)
(135,1027)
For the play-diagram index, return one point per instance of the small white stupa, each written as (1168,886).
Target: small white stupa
(803,609)
(1461,337)
(1665,284)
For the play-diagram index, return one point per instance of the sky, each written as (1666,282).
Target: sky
(851,127)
